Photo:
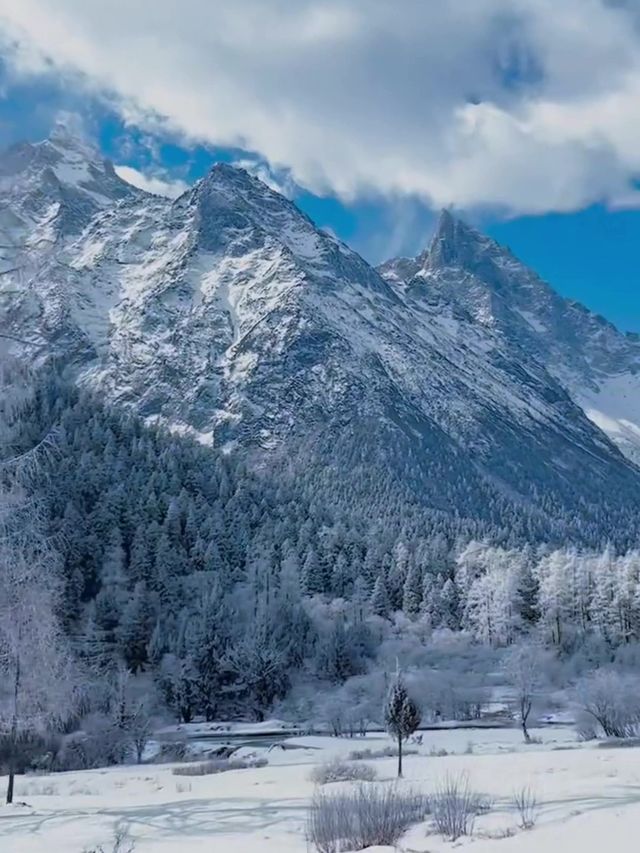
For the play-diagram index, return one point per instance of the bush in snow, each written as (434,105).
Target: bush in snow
(365,816)
(170,753)
(618,743)
(612,701)
(219,765)
(384,752)
(454,807)
(525,802)
(342,771)
(586,727)
(121,842)
(100,743)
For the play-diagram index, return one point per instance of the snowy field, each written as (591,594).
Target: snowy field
(589,798)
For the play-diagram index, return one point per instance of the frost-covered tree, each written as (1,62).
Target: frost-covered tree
(380,604)
(36,668)
(130,710)
(210,641)
(401,715)
(259,669)
(313,572)
(178,681)
(412,592)
(612,700)
(449,605)
(397,574)
(524,668)
(556,594)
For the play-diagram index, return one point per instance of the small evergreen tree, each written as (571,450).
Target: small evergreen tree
(401,715)
(449,606)
(412,593)
(380,604)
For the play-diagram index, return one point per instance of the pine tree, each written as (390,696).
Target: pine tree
(401,715)
(397,574)
(312,573)
(140,557)
(431,599)
(449,602)
(340,577)
(412,593)
(380,605)
(157,646)
(136,628)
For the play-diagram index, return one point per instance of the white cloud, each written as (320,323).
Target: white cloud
(152,183)
(530,105)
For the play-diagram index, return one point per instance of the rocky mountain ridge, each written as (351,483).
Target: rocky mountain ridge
(459,375)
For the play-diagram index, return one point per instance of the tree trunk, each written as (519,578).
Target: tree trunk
(399,756)
(13,738)
(525,710)
(12,774)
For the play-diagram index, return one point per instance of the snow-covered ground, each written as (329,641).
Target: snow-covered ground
(590,798)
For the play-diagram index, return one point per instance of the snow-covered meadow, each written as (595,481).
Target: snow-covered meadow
(589,798)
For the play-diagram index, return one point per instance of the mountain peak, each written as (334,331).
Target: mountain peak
(68,143)
(233,185)
(453,242)
(229,169)
(227,174)
(445,222)
(59,182)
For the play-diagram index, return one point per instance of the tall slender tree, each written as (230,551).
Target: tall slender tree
(36,683)
(401,715)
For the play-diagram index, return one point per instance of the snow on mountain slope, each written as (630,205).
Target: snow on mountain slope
(596,363)
(614,406)
(228,314)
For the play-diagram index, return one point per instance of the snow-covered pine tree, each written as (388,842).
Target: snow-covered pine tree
(312,573)
(401,715)
(412,592)
(397,574)
(380,605)
(449,605)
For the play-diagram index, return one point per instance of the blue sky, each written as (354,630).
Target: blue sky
(523,125)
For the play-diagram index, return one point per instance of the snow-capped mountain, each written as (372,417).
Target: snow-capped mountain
(594,361)
(52,189)
(228,314)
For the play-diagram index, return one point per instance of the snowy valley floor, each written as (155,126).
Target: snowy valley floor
(589,798)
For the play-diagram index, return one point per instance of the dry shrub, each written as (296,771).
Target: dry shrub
(384,752)
(218,765)
(342,771)
(525,802)
(364,816)
(455,806)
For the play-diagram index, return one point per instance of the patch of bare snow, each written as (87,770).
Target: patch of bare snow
(615,409)
(588,797)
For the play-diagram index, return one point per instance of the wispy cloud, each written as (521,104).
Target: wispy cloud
(156,184)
